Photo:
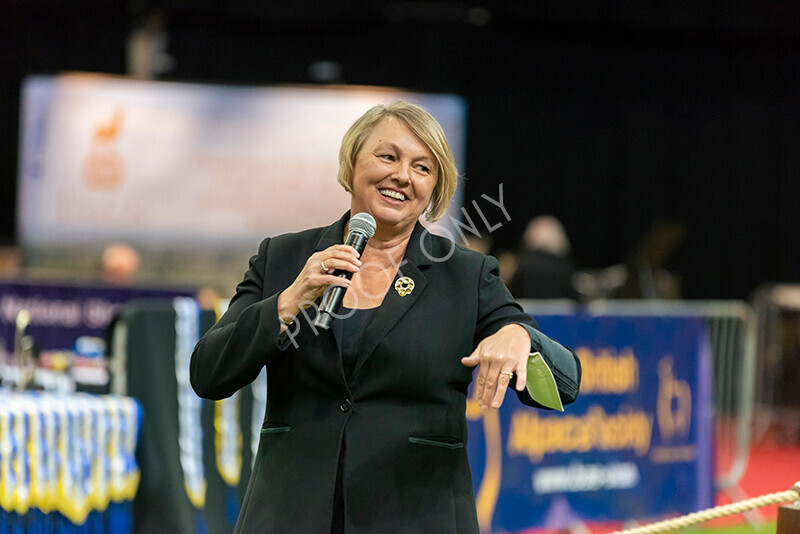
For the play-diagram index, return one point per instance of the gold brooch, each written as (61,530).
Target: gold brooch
(404,286)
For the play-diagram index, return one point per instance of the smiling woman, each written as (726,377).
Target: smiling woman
(372,412)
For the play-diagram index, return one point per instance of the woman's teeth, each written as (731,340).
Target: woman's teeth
(392,194)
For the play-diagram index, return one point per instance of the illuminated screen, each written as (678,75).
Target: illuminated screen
(169,165)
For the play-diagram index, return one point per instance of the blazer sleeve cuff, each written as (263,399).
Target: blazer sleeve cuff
(285,337)
(562,361)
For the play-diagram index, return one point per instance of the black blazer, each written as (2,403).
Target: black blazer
(399,423)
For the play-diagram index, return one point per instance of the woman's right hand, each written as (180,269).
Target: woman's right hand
(313,280)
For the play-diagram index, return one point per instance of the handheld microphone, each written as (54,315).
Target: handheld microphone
(361,227)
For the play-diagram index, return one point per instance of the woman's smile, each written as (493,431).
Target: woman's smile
(393,194)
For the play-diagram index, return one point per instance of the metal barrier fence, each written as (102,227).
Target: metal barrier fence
(777,400)
(732,336)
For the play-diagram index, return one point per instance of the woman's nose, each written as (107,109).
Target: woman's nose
(403,174)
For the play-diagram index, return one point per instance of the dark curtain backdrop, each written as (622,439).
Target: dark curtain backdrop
(614,121)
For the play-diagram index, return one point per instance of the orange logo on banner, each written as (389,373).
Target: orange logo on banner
(674,406)
(103,166)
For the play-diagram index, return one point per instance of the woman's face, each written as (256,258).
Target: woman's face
(394,176)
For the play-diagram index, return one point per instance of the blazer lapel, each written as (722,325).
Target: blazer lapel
(394,306)
(333,234)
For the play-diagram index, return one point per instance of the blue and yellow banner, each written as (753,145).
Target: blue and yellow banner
(636,443)
(67,462)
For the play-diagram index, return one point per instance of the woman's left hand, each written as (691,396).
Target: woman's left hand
(499,355)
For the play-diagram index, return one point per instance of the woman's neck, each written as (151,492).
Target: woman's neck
(389,243)
(388,252)
(380,261)
(387,240)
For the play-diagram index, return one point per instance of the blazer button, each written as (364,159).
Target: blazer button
(346,405)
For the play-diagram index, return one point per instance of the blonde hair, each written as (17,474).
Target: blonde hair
(424,126)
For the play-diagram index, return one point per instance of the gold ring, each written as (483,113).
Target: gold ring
(509,373)
(324,269)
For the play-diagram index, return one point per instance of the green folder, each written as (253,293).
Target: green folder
(541,383)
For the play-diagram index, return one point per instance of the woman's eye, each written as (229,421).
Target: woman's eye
(387,157)
(423,168)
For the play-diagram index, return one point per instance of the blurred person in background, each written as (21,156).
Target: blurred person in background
(208,298)
(507,259)
(544,268)
(478,243)
(365,427)
(9,261)
(120,263)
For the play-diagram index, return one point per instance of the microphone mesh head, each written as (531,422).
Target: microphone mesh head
(362,223)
